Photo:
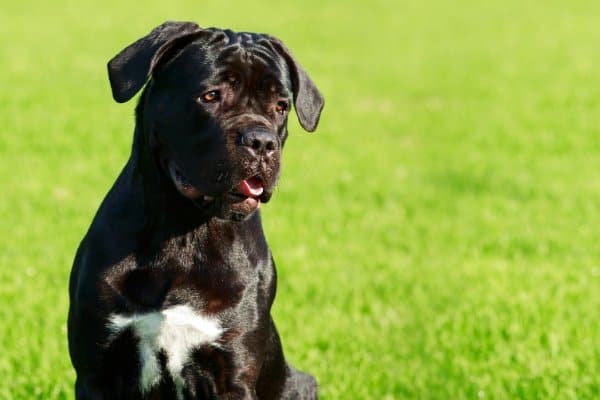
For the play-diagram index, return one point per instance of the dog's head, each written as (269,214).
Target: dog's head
(214,111)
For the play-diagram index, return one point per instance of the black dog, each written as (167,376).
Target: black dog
(172,286)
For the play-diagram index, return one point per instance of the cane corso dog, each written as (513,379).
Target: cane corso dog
(172,286)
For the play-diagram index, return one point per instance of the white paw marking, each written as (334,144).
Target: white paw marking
(176,331)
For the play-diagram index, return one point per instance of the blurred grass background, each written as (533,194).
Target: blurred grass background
(437,238)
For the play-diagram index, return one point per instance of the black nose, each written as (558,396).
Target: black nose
(259,142)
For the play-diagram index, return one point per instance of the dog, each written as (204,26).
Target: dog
(172,285)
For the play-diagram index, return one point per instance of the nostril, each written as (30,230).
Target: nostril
(258,141)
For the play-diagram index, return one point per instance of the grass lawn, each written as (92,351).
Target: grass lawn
(437,238)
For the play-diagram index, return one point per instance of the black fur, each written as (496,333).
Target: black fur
(153,245)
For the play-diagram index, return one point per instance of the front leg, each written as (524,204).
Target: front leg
(299,386)
(280,381)
(85,391)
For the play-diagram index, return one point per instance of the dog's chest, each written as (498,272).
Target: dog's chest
(198,316)
(173,333)
(187,269)
(189,297)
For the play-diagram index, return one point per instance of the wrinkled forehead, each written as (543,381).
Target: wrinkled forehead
(224,53)
(251,49)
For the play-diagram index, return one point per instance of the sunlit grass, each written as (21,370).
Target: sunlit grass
(436,238)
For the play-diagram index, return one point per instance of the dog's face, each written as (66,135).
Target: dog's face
(215,111)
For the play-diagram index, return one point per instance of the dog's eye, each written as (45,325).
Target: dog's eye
(281,107)
(211,96)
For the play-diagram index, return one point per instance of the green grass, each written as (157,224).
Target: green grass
(437,238)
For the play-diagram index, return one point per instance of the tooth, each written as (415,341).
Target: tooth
(209,198)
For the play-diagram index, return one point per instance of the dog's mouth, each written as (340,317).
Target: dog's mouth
(183,185)
(243,198)
(246,196)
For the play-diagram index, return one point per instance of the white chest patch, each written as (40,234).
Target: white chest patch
(176,331)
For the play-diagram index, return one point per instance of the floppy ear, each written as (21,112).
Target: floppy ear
(308,101)
(129,70)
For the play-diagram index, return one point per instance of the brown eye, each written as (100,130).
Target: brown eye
(211,96)
(281,107)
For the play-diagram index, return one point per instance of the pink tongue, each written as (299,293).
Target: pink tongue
(252,187)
